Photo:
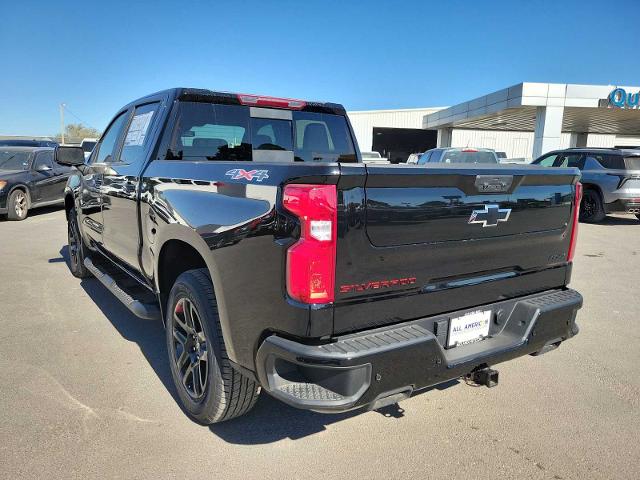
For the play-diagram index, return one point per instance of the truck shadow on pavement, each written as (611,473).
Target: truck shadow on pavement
(618,220)
(269,421)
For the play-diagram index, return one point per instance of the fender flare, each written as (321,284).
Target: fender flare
(191,237)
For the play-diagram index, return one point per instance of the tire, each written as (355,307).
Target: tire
(76,247)
(591,208)
(18,205)
(213,391)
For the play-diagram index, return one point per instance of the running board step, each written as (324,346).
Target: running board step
(146,311)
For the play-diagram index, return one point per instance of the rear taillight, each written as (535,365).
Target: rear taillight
(311,260)
(262,101)
(577,198)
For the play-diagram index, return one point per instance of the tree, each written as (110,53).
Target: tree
(75,132)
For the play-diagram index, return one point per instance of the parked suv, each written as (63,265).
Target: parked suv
(611,179)
(459,155)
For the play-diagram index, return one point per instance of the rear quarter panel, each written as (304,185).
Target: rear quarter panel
(242,235)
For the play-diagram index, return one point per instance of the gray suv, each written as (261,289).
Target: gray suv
(611,179)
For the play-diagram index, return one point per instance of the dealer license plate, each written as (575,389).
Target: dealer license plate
(469,328)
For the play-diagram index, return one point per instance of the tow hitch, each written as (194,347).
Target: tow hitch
(484,376)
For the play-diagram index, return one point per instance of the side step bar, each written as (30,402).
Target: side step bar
(146,311)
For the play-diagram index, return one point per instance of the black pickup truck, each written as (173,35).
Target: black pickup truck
(278,260)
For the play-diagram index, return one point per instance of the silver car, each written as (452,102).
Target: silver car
(459,155)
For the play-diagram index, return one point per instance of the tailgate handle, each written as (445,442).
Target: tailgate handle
(493,183)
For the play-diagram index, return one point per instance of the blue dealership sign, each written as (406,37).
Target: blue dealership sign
(621,99)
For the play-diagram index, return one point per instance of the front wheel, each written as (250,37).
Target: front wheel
(591,208)
(210,389)
(18,205)
(76,247)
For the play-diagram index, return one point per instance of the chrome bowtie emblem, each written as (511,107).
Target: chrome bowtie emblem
(490,215)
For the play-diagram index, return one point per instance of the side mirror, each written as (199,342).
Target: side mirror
(43,168)
(71,156)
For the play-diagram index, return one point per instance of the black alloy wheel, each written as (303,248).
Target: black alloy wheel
(210,388)
(591,208)
(76,247)
(189,348)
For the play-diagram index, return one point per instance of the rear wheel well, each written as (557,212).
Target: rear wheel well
(592,186)
(175,258)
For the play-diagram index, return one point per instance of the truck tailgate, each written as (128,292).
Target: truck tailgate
(416,241)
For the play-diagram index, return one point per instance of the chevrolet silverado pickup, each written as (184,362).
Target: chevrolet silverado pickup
(278,261)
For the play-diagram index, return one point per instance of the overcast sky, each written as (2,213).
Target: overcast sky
(365,55)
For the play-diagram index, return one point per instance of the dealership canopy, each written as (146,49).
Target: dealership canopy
(547,109)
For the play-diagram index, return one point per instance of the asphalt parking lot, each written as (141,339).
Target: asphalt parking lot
(86,390)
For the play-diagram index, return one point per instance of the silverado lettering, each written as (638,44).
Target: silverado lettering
(306,218)
(361,287)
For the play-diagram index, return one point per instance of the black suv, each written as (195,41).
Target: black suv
(29,178)
(611,179)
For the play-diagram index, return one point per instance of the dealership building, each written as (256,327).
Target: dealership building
(524,121)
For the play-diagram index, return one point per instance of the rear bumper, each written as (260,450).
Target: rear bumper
(631,205)
(378,367)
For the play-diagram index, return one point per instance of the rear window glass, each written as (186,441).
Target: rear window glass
(632,163)
(227,132)
(271,134)
(608,161)
(462,156)
(213,132)
(322,137)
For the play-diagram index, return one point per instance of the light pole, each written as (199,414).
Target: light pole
(62,122)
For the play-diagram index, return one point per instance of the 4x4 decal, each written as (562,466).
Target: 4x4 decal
(242,174)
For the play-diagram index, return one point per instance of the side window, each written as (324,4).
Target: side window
(424,158)
(108,144)
(43,159)
(615,162)
(228,133)
(136,140)
(572,160)
(548,161)
(435,156)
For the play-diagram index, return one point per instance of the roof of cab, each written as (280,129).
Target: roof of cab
(231,98)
